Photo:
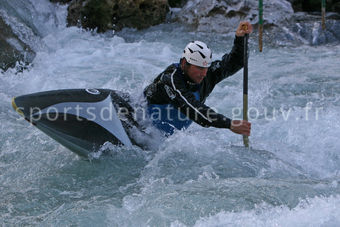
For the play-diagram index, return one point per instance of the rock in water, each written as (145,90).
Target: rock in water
(116,14)
(12,49)
(282,25)
(222,15)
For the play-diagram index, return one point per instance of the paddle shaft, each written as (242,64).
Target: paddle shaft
(260,25)
(245,86)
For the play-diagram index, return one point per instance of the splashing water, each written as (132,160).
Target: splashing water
(200,177)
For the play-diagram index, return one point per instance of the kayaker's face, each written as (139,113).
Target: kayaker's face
(195,73)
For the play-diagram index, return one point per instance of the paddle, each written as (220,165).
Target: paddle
(260,24)
(245,86)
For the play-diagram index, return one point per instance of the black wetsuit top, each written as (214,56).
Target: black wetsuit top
(174,87)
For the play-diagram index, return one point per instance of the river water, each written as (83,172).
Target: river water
(199,177)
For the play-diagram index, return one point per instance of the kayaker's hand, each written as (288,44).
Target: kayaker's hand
(244,28)
(240,127)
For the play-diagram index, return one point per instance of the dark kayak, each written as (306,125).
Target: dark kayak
(82,119)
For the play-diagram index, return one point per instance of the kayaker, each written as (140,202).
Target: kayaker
(176,96)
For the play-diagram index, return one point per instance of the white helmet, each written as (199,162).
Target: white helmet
(197,53)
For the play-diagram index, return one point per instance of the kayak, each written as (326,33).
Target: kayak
(82,119)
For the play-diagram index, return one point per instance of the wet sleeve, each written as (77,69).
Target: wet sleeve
(230,63)
(196,111)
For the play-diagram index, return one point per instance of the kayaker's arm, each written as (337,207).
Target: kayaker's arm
(202,114)
(233,61)
(184,99)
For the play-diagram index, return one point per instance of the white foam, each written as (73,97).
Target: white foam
(311,212)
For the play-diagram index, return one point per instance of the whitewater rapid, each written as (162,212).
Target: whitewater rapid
(199,177)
